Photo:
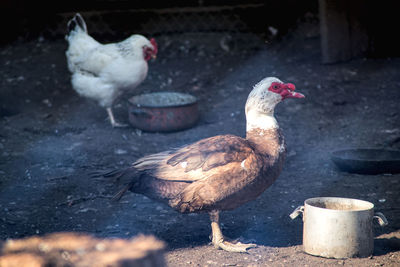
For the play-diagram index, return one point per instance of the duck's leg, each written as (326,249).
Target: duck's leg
(218,238)
(112,119)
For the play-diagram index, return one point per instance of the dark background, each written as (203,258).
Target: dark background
(29,19)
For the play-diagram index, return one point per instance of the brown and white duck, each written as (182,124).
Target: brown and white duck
(221,172)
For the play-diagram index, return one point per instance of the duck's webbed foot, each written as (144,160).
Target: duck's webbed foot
(219,240)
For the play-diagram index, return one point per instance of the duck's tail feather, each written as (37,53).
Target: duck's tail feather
(122,192)
(116,175)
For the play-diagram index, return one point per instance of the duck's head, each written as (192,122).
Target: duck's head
(265,96)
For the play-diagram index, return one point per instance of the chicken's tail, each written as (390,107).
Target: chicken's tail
(77,22)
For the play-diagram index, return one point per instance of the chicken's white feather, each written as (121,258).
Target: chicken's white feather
(102,72)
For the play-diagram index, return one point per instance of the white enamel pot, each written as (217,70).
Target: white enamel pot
(338,227)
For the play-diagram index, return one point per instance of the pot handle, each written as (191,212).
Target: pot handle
(141,113)
(381,219)
(296,212)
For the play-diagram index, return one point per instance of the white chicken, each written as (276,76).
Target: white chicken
(104,71)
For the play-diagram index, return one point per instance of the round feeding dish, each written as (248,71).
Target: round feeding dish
(163,111)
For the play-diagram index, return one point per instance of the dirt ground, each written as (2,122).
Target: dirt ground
(51,140)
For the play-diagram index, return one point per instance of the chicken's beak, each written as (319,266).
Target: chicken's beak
(153,56)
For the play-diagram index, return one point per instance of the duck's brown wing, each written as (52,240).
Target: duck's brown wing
(197,161)
(214,173)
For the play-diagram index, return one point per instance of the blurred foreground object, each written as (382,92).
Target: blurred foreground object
(73,249)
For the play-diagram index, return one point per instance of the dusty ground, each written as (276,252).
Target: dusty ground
(51,140)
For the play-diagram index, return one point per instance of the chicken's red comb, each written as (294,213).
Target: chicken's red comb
(155,47)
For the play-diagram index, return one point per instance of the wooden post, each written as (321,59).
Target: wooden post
(343,29)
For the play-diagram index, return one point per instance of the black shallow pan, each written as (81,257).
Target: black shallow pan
(367,160)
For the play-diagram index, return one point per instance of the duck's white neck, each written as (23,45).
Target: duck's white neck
(259,120)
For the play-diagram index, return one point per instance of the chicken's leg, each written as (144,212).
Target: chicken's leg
(112,119)
(218,239)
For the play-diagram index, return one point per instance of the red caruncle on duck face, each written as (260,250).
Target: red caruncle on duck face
(286,90)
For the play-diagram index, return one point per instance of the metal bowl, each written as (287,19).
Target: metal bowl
(163,111)
(367,160)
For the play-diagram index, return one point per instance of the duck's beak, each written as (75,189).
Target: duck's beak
(290,93)
(293,94)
